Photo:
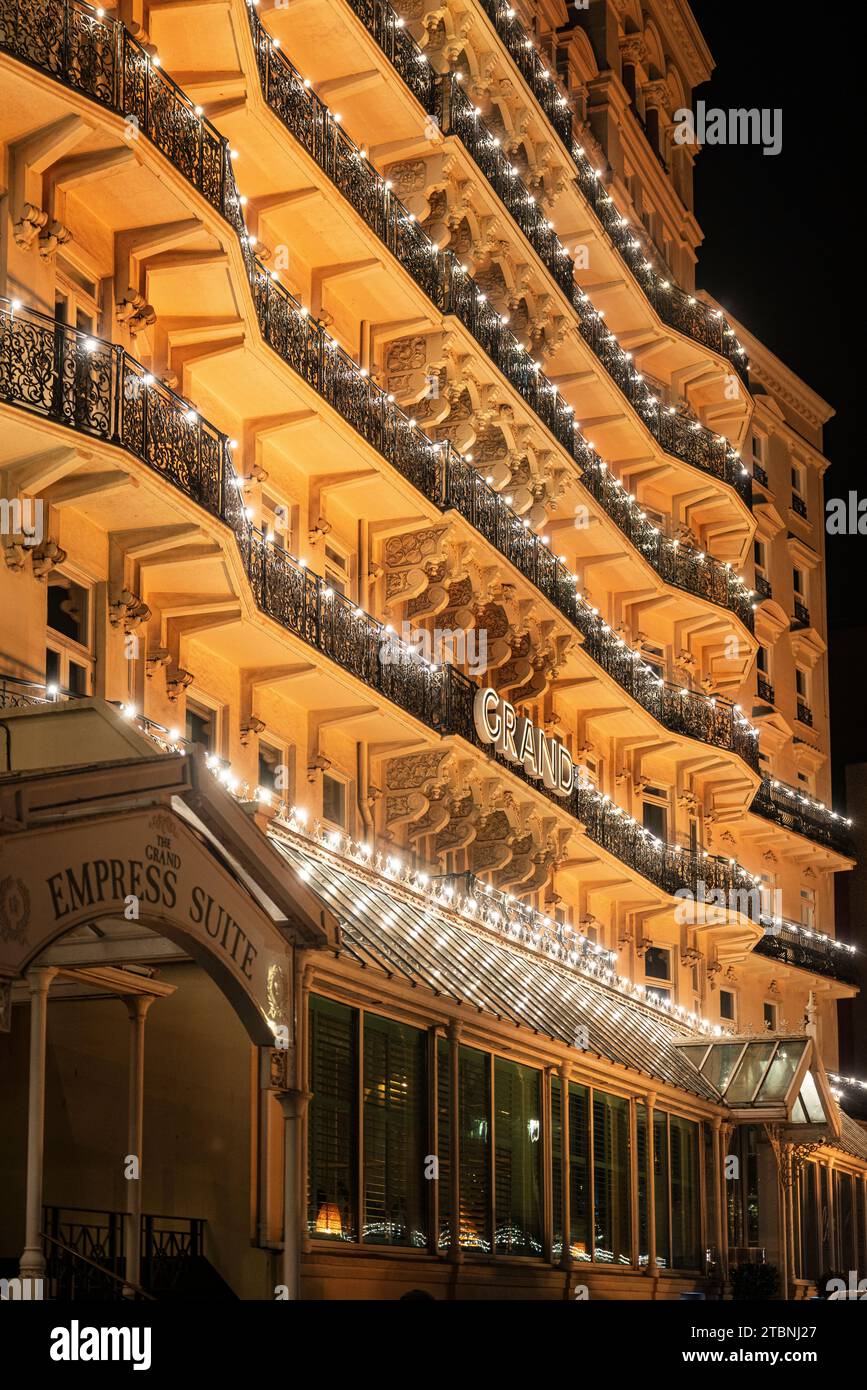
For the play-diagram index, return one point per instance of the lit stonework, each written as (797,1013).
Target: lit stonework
(417,589)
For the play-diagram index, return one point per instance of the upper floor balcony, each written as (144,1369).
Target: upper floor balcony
(681,311)
(794,809)
(790,943)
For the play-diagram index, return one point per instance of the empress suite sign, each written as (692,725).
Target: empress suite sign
(520,741)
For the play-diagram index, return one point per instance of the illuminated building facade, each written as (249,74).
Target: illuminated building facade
(415,708)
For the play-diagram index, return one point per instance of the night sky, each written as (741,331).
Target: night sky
(784,252)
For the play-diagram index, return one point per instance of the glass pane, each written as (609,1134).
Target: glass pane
(810,1100)
(685,1194)
(52,667)
(475,1109)
(557,1167)
(444,1134)
(395,1102)
(579,1172)
(67,608)
(781,1072)
(199,727)
(660,1188)
(845,1222)
(809,1267)
(721,1063)
(740,1089)
(657,963)
(612,1229)
(332,1128)
(77,678)
(518,1159)
(641,1161)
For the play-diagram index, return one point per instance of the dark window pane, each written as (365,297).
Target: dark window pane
(395,1103)
(444,1133)
(518,1159)
(475,1110)
(333,800)
(332,1128)
(67,609)
(654,819)
(685,1197)
(809,1267)
(77,678)
(660,1188)
(269,762)
(557,1167)
(200,727)
(52,667)
(611,1197)
(579,1172)
(657,963)
(641,1159)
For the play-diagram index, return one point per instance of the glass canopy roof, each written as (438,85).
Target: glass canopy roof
(772,1075)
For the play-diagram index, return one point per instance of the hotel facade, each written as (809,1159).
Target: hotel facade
(416,858)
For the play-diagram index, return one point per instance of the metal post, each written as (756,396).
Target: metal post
(32,1263)
(137,1006)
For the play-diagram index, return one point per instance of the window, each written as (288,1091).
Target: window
(273,770)
(798,478)
(69,659)
(201,726)
(611,1180)
(799,582)
(517,1159)
(808,908)
(75,298)
(727,1005)
(333,800)
(760,556)
(657,963)
(802,684)
(654,812)
(769,1015)
(763,661)
(685,1190)
(337,570)
(759,445)
(654,656)
(474,1101)
(331,1202)
(395,1105)
(278,521)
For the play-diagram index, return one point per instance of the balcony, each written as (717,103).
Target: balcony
(100,59)
(791,944)
(792,808)
(805,714)
(453,291)
(97,389)
(764,588)
(765,690)
(680,311)
(760,475)
(801,616)
(799,506)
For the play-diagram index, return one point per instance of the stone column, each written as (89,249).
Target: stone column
(455,1253)
(565,1071)
(137,1006)
(650,1104)
(293,1103)
(32,1263)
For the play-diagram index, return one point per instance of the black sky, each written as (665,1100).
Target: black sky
(784,252)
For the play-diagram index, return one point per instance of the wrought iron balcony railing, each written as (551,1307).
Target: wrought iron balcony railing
(801,612)
(99,57)
(679,310)
(765,690)
(683,438)
(799,505)
(760,474)
(792,808)
(805,713)
(96,388)
(453,291)
(791,944)
(764,588)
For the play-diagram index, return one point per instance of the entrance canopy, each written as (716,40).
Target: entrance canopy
(777,1079)
(149,837)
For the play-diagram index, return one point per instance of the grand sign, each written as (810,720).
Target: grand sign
(148,866)
(520,741)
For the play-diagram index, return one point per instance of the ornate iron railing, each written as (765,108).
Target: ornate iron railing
(681,311)
(96,388)
(786,942)
(86,1251)
(805,714)
(799,505)
(801,614)
(765,690)
(764,588)
(793,809)
(170,121)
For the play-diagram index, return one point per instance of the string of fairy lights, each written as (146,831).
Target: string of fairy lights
(649,671)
